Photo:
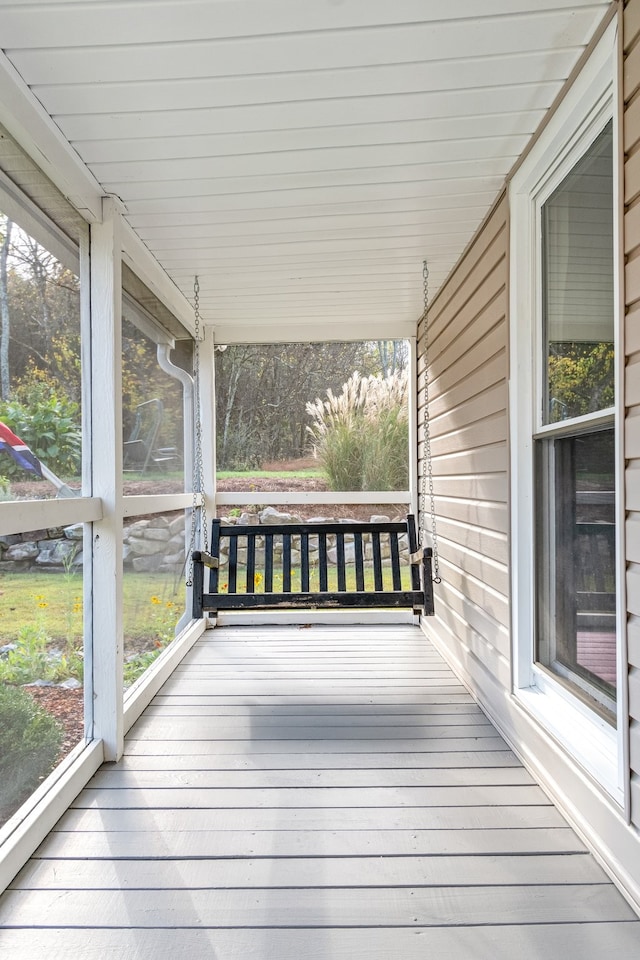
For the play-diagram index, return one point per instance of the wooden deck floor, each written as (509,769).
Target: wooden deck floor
(321,793)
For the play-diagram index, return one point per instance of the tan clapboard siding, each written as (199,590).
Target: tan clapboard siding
(631,26)
(478,433)
(493,516)
(473,269)
(633,539)
(466,370)
(467,353)
(482,659)
(632,496)
(632,330)
(491,372)
(466,536)
(632,434)
(632,73)
(633,594)
(632,382)
(633,638)
(488,486)
(489,459)
(489,402)
(484,569)
(443,332)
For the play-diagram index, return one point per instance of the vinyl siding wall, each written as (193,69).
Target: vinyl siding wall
(631,88)
(466,338)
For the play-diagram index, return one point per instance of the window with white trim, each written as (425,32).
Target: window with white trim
(565,449)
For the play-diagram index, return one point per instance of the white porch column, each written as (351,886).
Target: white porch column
(207,401)
(106,479)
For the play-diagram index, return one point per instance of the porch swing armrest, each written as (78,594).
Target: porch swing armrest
(199,556)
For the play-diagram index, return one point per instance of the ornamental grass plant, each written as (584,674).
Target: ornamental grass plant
(360,436)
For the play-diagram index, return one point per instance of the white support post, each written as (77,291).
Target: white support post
(106,480)
(207,400)
(413,427)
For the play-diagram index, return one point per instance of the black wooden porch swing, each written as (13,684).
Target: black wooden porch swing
(289,566)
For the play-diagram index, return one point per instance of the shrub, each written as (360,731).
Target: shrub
(361,435)
(50,426)
(30,741)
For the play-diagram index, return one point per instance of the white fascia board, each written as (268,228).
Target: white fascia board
(31,126)
(142,262)
(315,332)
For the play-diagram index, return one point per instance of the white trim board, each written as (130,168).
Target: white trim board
(588,105)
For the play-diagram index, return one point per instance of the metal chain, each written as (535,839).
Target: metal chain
(198,510)
(427,465)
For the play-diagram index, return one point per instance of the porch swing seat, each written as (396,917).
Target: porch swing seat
(304,566)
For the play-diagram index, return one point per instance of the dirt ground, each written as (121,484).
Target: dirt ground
(261,486)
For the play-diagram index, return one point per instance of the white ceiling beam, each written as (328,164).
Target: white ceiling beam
(328,330)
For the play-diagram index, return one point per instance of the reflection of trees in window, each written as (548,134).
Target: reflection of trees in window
(581,379)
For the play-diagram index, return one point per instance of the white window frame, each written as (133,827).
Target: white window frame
(590,103)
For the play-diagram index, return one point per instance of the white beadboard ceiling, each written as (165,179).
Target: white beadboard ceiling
(302,157)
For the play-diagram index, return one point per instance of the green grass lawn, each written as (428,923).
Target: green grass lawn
(313,472)
(54,601)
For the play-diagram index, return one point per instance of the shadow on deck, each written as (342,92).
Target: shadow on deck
(322,793)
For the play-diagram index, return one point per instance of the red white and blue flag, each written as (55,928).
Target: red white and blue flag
(18,450)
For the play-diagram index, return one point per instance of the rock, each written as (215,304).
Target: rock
(248,519)
(271,515)
(349,554)
(158,523)
(56,553)
(70,684)
(176,526)
(75,532)
(7,648)
(159,534)
(28,550)
(380,518)
(145,548)
(8,540)
(137,529)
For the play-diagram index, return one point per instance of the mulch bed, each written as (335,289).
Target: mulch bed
(67,706)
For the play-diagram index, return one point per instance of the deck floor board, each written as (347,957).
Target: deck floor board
(323,792)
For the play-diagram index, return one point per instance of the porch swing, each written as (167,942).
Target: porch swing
(309,560)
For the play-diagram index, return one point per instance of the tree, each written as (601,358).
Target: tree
(262,392)
(5,330)
(581,379)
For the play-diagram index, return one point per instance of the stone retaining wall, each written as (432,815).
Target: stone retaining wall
(156,544)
